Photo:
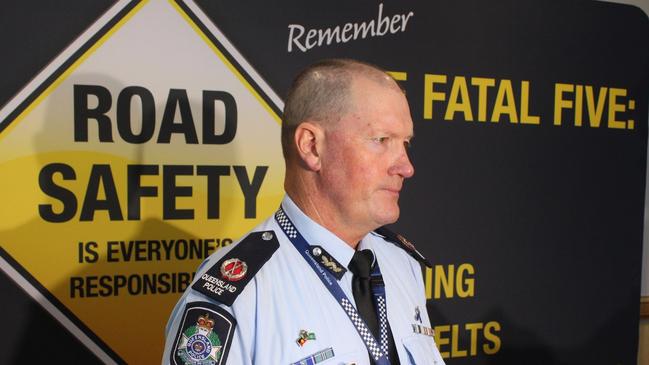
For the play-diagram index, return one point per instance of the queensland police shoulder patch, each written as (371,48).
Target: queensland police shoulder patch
(403,243)
(225,280)
(204,335)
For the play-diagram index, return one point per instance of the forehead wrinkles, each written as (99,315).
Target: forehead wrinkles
(381,107)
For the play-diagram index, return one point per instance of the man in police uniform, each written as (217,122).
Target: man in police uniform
(320,282)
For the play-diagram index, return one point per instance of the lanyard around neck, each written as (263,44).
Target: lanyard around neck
(377,351)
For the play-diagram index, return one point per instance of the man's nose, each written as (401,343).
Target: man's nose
(403,166)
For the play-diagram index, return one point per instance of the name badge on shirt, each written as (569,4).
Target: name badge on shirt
(417,328)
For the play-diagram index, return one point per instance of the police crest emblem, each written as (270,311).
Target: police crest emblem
(199,343)
(204,335)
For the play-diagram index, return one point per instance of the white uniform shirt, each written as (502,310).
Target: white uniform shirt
(286,296)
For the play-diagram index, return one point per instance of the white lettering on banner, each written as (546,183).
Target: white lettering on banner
(378,27)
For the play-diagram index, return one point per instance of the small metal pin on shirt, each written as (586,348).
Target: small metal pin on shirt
(304,337)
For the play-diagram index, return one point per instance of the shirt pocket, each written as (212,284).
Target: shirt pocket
(422,350)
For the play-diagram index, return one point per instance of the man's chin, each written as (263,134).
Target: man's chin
(389,216)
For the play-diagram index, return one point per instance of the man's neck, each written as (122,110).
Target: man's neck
(320,212)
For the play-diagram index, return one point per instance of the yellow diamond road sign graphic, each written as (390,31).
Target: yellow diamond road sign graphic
(145,147)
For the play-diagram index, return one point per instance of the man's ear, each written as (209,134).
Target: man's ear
(309,138)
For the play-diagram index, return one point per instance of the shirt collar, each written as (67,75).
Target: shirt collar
(315,234)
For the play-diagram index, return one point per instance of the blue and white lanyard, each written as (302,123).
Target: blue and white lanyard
(378,352)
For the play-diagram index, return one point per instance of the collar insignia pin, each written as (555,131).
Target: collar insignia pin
(327,261)
(304,337)
(330,264)
(406,242)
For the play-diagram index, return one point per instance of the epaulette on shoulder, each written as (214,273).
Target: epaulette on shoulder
(225,280)
(402,243)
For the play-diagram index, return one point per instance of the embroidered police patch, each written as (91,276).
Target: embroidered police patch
(204,335)
(225,280)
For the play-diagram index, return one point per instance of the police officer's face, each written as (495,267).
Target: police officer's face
(366,158)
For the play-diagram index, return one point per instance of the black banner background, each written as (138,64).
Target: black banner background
(549,216)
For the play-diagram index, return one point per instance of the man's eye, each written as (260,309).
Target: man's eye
(380,139)
(407,144)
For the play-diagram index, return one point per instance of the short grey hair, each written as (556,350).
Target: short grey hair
(322,92)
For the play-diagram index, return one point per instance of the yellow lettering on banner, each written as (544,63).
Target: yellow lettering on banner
(492,337)
(559,102)
(526,118)
(441,340)
(579,104)
(430,95)
(595,102)
(455,342)
(575,102)
(451,281)
(399,76)
(595,109)
(443,280)
(483,339)
(465,285)
(631,107)
(459,99)
(428,280)
(483,84)
(459,91)
(505,103)
(474,329)
(614,107)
